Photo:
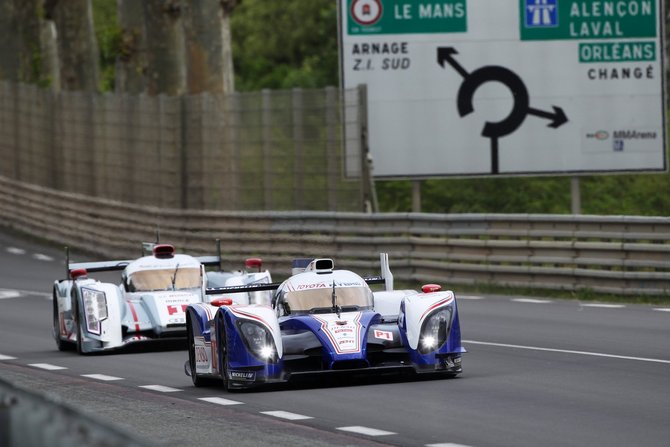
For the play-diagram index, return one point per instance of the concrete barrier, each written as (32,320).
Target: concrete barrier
(31,420)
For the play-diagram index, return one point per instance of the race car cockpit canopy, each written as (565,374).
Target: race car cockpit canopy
(338,292)
(155,273)
(165,279)
(346,298)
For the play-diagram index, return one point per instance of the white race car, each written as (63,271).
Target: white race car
(148,304)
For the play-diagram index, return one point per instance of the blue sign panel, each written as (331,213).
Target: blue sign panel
(541,13)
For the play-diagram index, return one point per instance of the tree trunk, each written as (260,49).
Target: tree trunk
(131,62)
(21,52)
(166,67)
(208,51)
(227,7)
(9,46)
(77,45)
(29,40)
(49,62)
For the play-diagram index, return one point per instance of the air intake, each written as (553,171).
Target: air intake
(163,251)
(324,265)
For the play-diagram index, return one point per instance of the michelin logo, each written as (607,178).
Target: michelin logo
(541,13)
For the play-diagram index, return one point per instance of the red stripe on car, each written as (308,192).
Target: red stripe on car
(132,310)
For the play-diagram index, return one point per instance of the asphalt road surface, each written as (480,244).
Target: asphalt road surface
(538,372)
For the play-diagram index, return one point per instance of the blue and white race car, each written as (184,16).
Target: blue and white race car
(148,304)
(323,321)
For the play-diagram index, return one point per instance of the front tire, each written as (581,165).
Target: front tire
(197,381)
(77,322)
(60,343)
(222,350)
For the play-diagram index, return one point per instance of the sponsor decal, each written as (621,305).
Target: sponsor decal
(619,138)
(344,334)
(598,135)
(348,284)
(634,135)
(248,376)
(176,309)
(384,335)
(311,286)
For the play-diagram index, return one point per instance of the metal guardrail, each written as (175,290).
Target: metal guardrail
(31,420)
(607,254)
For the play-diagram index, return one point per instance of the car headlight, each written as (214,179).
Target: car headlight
(95,309)
(258,340)
(434,330)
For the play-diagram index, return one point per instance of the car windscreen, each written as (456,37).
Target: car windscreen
(322,298)
(162,279)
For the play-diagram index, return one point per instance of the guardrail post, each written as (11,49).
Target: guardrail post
(575,195)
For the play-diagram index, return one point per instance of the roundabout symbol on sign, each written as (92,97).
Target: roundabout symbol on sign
(366,12)
(520,109)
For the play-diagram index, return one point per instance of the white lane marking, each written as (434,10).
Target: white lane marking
(604,306)
(10,293)
(7,357)
(220,401)
(662,309)
(42,257)
(530,300)
(5,294)
(101,377)
(366,431)
(47,366)
(286,415)
(160,388)
(15,251)
(447,444)
(568,351)
(469,297)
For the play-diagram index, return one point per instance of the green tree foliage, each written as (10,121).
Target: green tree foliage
(638,195)
(108,34)
(281,44)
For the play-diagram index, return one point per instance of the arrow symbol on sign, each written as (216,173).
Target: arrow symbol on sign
(520,109)
(558,117)
(446,54)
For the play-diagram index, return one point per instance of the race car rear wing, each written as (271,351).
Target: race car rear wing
(98,266)
(108,266)
(385,278)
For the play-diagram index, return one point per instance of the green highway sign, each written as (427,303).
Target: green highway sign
(372,17)
(623,51)
(587,19)
(507,87)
